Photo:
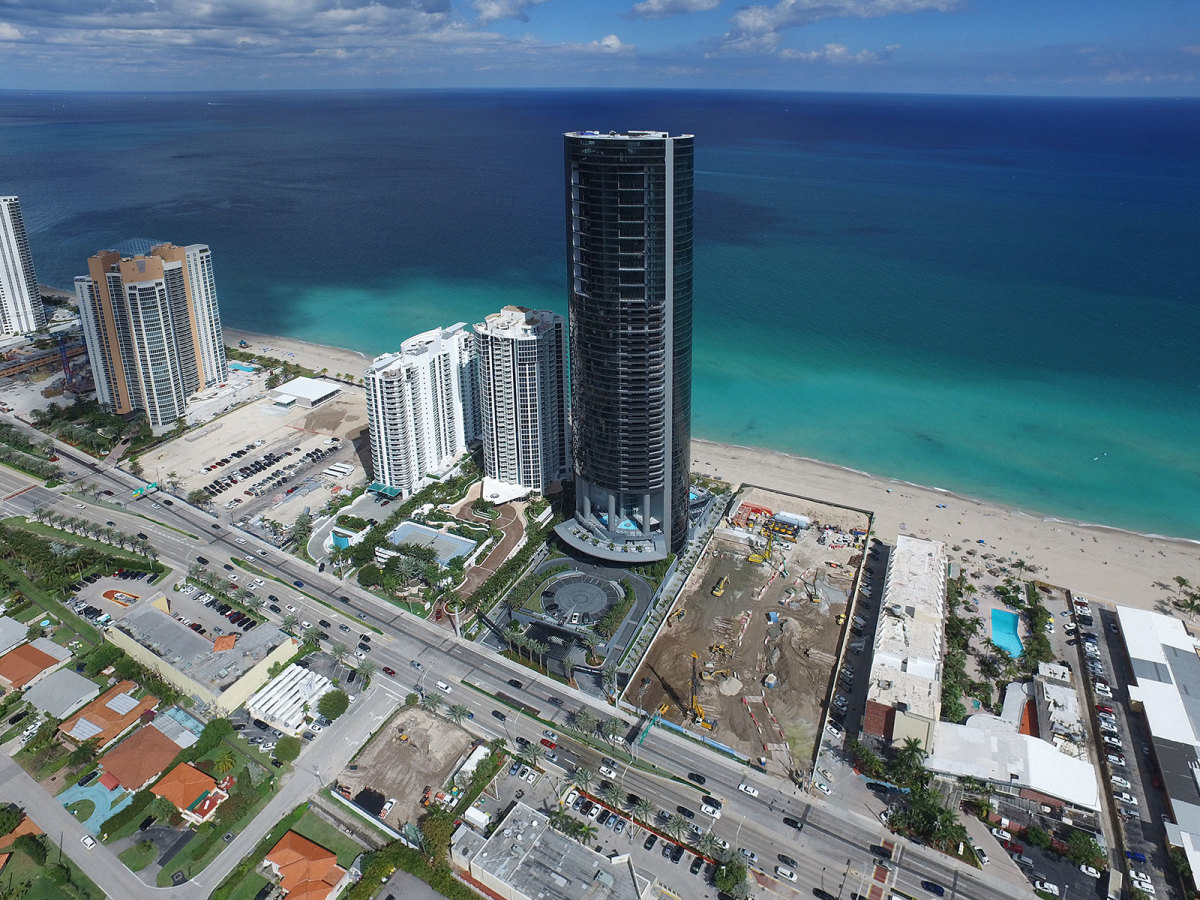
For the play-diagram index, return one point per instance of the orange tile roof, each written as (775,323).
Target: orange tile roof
(140,757)
(27,826)
(109,721)
(224,642)
(184,785)
(4,860)
(20,666)
(307,870)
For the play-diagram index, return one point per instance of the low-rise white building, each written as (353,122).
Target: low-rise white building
(289,698)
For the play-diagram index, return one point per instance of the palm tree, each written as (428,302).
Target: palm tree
(290,621)
(611,794)
(1183,583)
(431,703)
(582,778)
(457,713)
(194,570)
(224,763)
(584,720)
(708,844)
(608,677)
(312,635)
(558,818)
(338,651)
(675,825)
(612,728)
(586,833)
(530,754)
(365,670)
(643,809)
(540,648)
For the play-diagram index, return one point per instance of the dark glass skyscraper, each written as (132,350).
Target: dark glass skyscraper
(629,270)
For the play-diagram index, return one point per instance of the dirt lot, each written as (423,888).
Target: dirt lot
(799,649)
(343,417)
(402,770)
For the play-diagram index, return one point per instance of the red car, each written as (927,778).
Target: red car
(388,670)
(1103,709)
(548,744)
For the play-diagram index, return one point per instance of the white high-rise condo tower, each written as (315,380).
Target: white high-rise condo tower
(523,401)
(20,298)
(422,406)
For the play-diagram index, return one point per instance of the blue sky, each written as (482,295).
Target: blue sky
(1061,47)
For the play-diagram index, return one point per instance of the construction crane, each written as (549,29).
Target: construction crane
(697,709)
(765,555)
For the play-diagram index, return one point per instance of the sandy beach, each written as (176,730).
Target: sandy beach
(1098,562)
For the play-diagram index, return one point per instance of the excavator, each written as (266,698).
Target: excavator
(697,709)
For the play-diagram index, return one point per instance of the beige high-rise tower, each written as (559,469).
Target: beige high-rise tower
(152,327)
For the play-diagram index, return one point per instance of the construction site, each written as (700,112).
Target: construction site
(408,760)
(746,657)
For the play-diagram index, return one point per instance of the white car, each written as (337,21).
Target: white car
(1126,797)
(1090,871)
(234,577)
(88,841)
(306,625)
(290,608)
(711,807)
(823,788)
(607,772)
(387,807)
(1143,886)
(788,874)
(1120,782)
(571,797)
(239,540)
(1047,887)
(1050,627)
(834,728)
(1103,690)
(360,654)
(1140,876)
(266,747)
(748,789)
(316,728)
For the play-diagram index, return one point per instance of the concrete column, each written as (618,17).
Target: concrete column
(646,515)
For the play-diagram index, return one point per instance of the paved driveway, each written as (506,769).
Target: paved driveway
(106,802)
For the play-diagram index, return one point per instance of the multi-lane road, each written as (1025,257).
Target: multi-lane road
(832,847)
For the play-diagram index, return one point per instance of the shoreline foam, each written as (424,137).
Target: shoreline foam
(1099,561)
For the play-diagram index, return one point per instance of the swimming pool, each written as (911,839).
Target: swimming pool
(1004,632)
(243,367)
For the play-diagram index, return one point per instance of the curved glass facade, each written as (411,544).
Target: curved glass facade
(629,239)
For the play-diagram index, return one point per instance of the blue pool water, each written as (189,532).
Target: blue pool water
(243,367)
(1004,632)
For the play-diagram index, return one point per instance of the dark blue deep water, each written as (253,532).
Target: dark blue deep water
(997,296)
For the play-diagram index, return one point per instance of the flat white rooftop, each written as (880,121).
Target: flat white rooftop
(991,749)
(907,666)
(310,390)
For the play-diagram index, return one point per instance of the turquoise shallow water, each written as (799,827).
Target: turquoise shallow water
(991,296)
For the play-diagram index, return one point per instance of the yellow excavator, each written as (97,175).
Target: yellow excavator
(697,709)
(719,589)
(709,676)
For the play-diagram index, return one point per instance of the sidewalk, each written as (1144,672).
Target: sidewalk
(1001,864)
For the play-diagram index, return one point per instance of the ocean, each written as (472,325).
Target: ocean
(995,296)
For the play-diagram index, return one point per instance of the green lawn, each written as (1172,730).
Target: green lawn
(82,809)
(21,869)
(244,883)
(321,832)
(138,856)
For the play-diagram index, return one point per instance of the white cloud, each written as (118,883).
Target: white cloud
(610,43)
(1193,49)
(757,28)
(661,9)
(10,32)
(495,10)
(838,53)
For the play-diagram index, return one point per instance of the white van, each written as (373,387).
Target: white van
(781,872)
(443,687)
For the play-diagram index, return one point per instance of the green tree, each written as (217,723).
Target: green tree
(333,703)
(287,749)
(675,825)
(457,713)
(611,794)
(437,827)
(33,846)
(582,778)
(431,703)
(1083,850)
(584,720)
(730,876)
(57,873)
(1037,836)
(84,754)
(10,818)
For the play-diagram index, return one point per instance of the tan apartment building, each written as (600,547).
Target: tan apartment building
(152,327)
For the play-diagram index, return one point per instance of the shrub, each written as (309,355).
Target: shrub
(333,704)
(33,846)
(287,749)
